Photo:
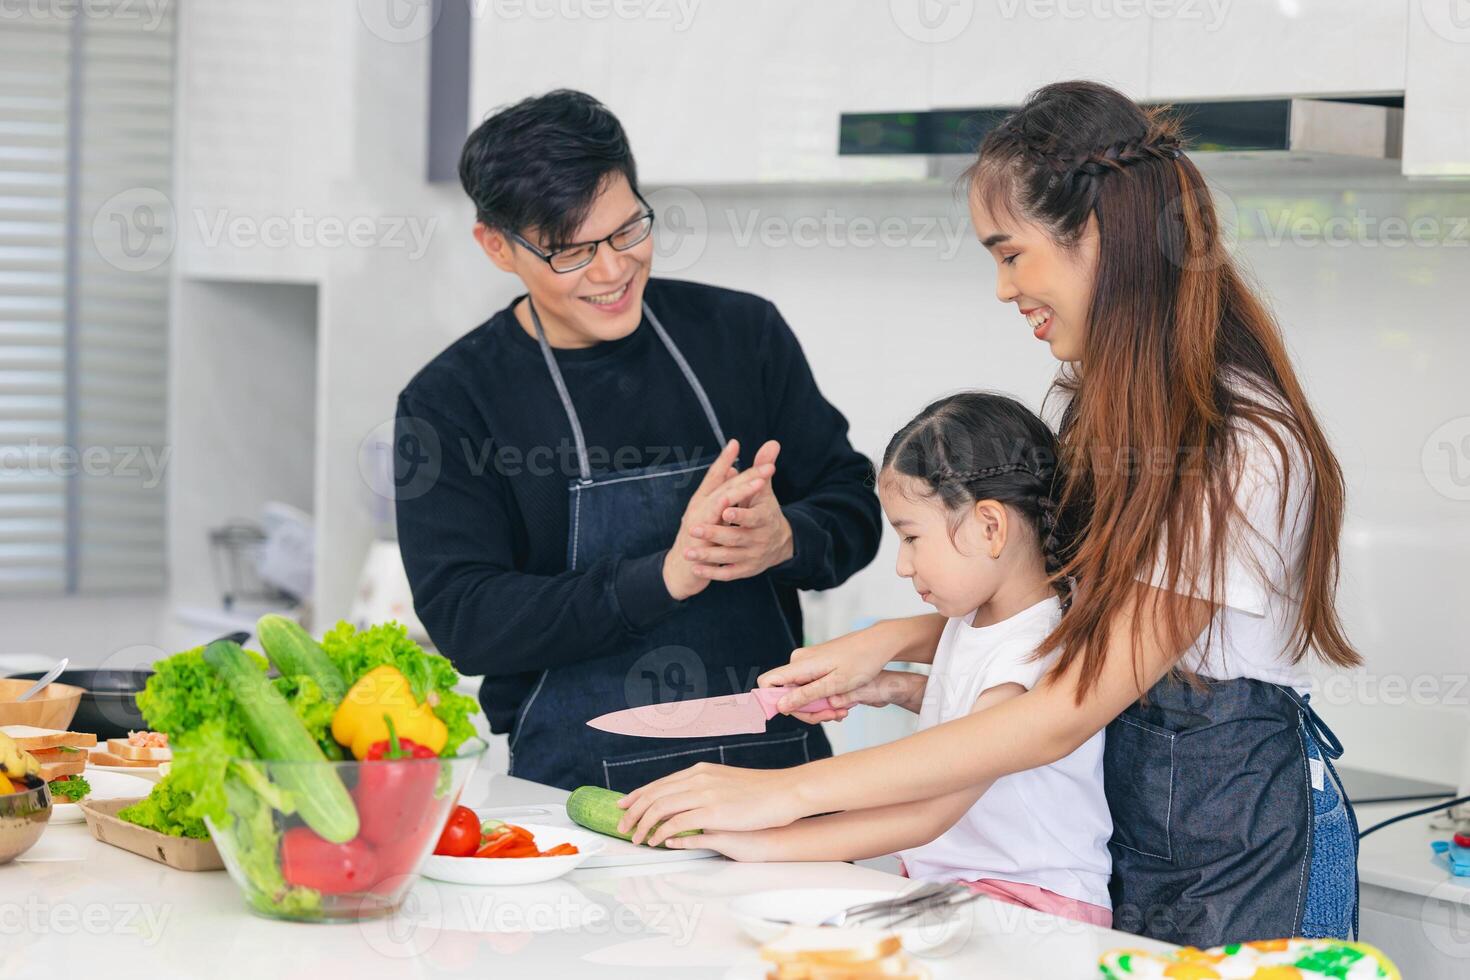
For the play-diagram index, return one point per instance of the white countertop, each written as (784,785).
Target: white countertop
(76,907)
(1399,857)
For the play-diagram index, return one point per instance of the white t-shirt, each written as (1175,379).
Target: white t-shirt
(1250,635)
(1047,827)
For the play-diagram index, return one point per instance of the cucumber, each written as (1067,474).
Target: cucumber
(279,736)
(293,651)
(597,809)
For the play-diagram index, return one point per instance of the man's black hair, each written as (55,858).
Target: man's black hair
(539,164)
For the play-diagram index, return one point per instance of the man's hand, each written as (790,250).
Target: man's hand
(721,489)
(743,541)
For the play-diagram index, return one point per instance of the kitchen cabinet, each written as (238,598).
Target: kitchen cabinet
(1437,100)
(1008,48)
(1212,49)
(712,93)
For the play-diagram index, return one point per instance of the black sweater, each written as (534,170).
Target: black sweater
(483,524)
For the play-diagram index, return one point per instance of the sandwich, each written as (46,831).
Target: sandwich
(61,755)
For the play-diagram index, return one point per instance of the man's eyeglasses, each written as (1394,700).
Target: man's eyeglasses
(570,258)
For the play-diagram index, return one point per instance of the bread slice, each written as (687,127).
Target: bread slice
(895,967)
(55,769)
(31,738)
(826,946)
(102,757)
(121,747)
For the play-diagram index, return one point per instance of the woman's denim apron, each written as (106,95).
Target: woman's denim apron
(1225,825)
(717,643)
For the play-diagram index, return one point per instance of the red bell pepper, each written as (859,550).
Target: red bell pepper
(395,788)
(333,869)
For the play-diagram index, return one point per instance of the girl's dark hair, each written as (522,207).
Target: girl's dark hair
(1180,361)
(979,445)
(539,164)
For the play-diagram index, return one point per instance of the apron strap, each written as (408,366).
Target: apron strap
(584,466)
(1324,737)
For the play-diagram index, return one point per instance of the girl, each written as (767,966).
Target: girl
(968,485)
(1210,507)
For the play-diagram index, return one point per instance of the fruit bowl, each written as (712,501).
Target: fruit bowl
(335,841)
(23,818)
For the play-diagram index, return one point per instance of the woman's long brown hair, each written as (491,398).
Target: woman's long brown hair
(1179,356)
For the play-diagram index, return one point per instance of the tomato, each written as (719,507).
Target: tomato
(310,861)
(461,835)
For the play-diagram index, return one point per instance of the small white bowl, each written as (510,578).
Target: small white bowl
(517,871)
(763,916)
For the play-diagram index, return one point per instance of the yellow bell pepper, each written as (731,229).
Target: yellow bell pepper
(6,786)
(358,721)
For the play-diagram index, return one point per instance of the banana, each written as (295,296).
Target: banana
(16,762)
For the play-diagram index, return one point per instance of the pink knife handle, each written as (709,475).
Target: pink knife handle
(769,696)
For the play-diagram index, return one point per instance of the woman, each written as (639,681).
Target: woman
(1209,506)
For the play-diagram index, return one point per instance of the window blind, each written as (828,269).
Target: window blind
(86,122)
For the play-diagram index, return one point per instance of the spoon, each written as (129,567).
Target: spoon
(46,678)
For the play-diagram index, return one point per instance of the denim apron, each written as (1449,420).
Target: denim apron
(1225,827)
(715,644)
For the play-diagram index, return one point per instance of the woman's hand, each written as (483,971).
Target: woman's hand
(710,797)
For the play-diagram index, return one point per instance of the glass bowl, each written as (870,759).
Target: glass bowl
(335,841)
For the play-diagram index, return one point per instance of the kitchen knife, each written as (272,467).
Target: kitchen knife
(731,714)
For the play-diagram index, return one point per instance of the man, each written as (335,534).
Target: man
(588,543)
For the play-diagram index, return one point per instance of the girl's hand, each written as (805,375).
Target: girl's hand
(837,667)
(901,687)
(738,845)
(710,797)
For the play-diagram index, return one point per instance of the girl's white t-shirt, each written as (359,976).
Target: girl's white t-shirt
(1047,827)
(1250,635)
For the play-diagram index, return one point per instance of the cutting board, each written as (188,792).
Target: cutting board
(617,853)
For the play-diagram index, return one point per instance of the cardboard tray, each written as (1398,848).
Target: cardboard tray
(183,853)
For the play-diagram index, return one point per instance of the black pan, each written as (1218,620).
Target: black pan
(107,708)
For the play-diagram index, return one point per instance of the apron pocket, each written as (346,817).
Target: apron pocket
(768,753)
(1138,778)
(625,773)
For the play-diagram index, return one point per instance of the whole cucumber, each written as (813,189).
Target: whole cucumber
(597,809)
(293,651)
(279,736)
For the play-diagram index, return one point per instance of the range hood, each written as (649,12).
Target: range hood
(1295,130)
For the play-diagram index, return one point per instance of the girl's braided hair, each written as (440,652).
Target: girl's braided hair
(979,445)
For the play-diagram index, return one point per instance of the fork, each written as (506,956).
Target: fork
(923,897)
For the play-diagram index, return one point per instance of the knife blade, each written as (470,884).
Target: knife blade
(730,714)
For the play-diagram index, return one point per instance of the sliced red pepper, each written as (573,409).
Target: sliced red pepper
(561,850)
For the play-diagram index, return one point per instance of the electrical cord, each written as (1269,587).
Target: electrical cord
(1414,813)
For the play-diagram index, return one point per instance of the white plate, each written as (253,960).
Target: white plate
(809,906)
(105,786)
(517,871)
(616,852)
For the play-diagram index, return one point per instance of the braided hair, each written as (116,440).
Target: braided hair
(1050,160)
(979,445)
